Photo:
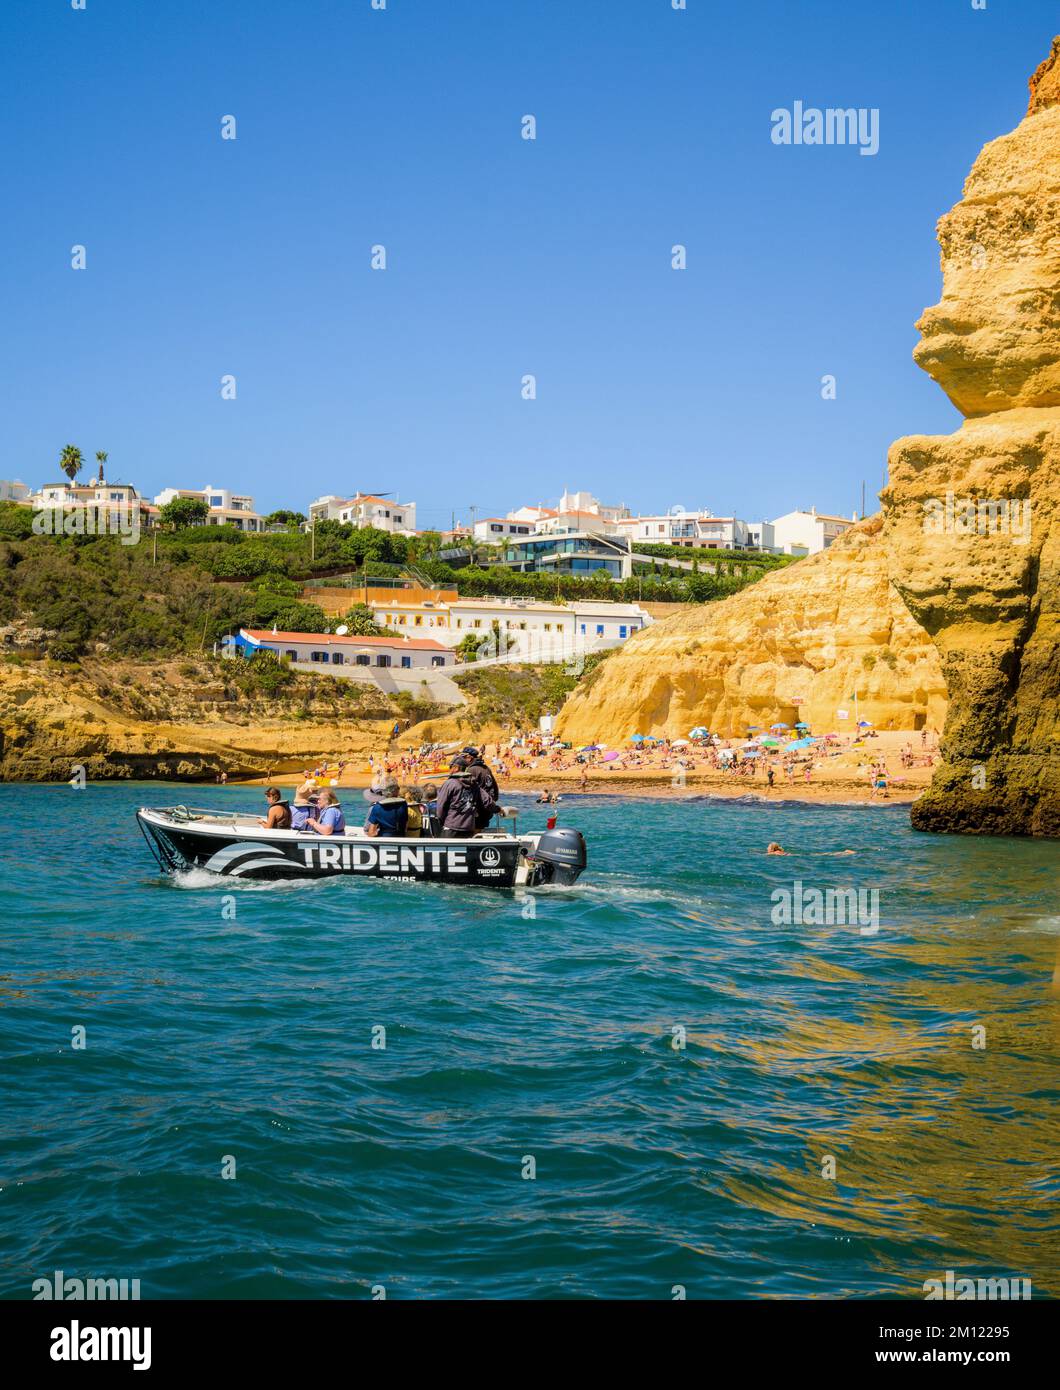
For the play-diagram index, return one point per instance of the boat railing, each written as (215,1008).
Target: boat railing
(184,814)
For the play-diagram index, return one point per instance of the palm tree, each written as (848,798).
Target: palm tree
(101,459)
(70,461)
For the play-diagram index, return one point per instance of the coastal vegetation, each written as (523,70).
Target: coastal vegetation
(513,696)
(182,587)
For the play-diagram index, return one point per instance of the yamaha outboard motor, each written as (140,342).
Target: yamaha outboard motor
(560,855)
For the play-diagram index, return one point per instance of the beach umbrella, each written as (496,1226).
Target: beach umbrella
(680,743)
(589,748)
(752,752)
(798,743)
(864,723)
(637,738)
(754,728)
(800,725)
(775,727)
(699,732)
(608,756)
(769,742)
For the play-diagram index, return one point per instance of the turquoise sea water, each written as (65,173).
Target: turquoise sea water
(510,1035)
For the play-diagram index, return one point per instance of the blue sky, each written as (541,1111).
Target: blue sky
(505,257)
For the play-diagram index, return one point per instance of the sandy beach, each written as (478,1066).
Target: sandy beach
(842,776)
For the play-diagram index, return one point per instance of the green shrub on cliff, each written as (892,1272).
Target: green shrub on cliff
(16,522)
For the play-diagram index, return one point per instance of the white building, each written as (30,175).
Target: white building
(575,511)
(494,529)
(532,628)
(104,502)
(384,514)
(586,502)
(531,514)
(535,631)
(760,534)
(328,649)
(686,528)
(226,508)
(805,533)
(522,622)
(577,520)
(13,492)
(609,621)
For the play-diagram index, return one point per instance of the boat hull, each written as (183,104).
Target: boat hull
(490,862)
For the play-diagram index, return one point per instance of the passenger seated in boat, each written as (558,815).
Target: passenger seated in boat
(414,802)
(389,813)
(430,808)
(329,819)
(278,816)
(304,804)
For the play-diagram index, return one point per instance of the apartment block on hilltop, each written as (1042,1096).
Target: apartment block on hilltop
(806,533)
(226,508)
(365,509)
(99,500)
(492,530)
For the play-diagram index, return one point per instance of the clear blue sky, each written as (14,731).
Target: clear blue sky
(506,257)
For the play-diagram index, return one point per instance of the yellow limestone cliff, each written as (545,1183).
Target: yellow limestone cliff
(796,645)
(972,519)
(970,542)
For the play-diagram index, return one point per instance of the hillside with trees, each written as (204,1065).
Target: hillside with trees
(184,585)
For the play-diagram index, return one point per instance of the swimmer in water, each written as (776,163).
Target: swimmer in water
(774,848)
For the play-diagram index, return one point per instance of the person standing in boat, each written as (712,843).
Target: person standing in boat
(463,805)
(278,816)
(483,777)
(329,819)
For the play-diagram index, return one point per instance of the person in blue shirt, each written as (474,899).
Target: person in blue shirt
(388,815)
(329,819)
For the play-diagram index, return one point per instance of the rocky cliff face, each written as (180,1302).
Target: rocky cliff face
(797,644)
(131,721)
(972,519)
(970,542)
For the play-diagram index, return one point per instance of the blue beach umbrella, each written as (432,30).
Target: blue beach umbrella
(864,723)
(800,725)
(699,732)
(636,738)
(776,727)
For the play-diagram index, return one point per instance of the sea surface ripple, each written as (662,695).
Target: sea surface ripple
(226,1019)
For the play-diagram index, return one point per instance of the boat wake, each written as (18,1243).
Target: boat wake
(198,879)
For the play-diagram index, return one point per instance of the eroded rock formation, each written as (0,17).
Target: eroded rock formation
(970,542)
(972,519)
(797,644)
